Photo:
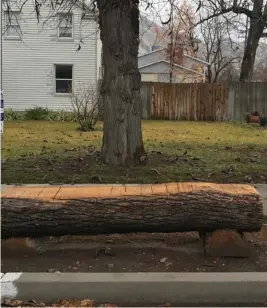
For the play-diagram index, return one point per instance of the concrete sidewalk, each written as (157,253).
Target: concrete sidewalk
(132,289)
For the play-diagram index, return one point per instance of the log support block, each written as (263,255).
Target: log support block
(14,246)
(225,243)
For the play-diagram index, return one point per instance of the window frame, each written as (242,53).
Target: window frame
(18,24)
(58,28)
(55,80)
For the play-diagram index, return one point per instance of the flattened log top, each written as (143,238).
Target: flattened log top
(65,192)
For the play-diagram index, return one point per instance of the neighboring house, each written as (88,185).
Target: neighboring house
(155,67)
(41,62)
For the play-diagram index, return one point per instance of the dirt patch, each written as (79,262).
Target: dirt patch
(133,253)
(76,166)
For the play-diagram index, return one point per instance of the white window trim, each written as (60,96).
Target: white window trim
(64,38)
(12,37)
(55,80)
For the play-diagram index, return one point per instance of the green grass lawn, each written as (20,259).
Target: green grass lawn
(51,152)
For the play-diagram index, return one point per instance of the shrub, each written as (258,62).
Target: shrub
(85,104)
(61,116)
(255,114)
(11,115)
(36,113)
(263,121)
(40,113)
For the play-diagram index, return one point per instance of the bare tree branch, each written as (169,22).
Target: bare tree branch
(214,33)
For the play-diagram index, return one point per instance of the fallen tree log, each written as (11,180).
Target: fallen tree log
(29,212)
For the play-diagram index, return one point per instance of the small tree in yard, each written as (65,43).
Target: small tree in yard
(85,104)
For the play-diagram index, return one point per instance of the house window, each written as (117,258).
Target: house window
(65,28)
(63,78)
(13,24)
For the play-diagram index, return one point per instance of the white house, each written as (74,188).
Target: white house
(42,61)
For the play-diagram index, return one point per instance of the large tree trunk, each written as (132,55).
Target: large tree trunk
(120,89)
(141,211)
(209,74)
(255,33)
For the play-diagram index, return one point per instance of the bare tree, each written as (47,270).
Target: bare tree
(260,73)
(181,35)
(255,11)
(215,35)
(85,105)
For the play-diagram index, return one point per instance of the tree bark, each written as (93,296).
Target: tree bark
(120,89)
(203,211)
(209,74)
(258,19)
(254,35)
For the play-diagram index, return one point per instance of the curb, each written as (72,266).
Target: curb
(248,288)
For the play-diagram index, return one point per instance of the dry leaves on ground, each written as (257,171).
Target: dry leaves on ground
(60,303)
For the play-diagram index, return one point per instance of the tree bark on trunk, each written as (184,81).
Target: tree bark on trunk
(120,88)
(255,33)
(209,74)
(203,211)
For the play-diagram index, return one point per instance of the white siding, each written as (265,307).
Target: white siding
(179,77)
(28,64)
(159,55)
(152,57)
(161,72)
(193,63)
(149,77)
(160,67)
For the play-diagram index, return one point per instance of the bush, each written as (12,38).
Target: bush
(87,116)
(263,121)
(85,104)
(40,113)
(61,116)
(11,115)
(36,113)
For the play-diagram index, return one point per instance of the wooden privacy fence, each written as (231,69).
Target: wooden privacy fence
(202,101)
(245,98)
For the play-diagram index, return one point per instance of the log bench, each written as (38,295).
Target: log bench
(105,209)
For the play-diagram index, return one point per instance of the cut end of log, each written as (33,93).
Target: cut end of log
(117,191)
